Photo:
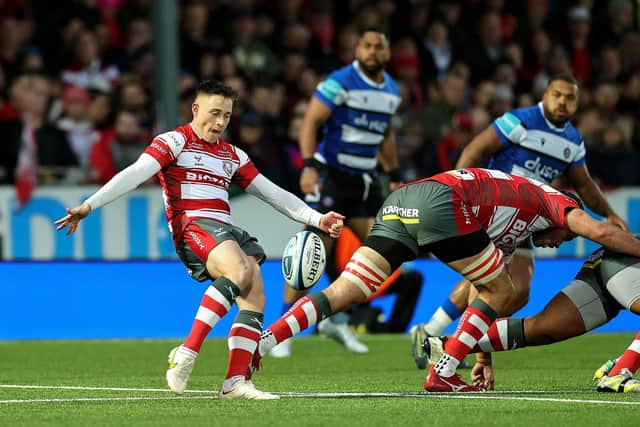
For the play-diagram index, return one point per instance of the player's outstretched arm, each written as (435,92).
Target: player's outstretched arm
(610,236)
(123,182)
(291,205)
(592,196)
(73,217)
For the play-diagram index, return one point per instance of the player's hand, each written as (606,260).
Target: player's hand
(482,372)
(332,223)
(309,180)
(73,217)
(618,222)
(393,186)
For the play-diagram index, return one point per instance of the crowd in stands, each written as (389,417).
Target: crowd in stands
(77,76)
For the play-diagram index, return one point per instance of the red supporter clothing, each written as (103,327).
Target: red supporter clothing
(510,208)
(195,176)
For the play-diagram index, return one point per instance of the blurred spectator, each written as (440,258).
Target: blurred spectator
(557,62)
(87,69)
(100,110)
(618,21)
(484,52)
(502,100)
(250,54)
(29,95)
(194,40)
(609,148)
(117,148)
(252,136)
(104,47)
(75,122)
(405,66)
(609,66)
(579,18)
(436,117)
(436,53)
(630,49)
(132,97)
(453,142)
(537,54)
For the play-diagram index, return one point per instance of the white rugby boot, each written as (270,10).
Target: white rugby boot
(246,390)
(342,333)
(282,350)
(181,363)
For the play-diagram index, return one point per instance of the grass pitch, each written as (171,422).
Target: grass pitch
(122,383)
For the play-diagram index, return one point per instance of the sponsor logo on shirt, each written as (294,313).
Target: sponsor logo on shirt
(545,171)
(508,240)
(204,177)
(374,125)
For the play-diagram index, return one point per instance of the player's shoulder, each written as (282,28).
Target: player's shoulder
(391,85)
(175,139)
(573,134)
(527,116)
(227,149)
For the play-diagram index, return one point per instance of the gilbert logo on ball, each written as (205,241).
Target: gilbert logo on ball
(303,260)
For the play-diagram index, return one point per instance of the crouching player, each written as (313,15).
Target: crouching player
(607,283)
(470,219)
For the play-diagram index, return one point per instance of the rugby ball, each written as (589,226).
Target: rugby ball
(303,260)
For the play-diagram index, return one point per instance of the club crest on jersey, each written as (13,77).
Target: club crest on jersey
(227,166)
(198,160)
(462,174)
(566,152)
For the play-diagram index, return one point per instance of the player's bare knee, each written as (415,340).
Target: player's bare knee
(241,272)
(342,294)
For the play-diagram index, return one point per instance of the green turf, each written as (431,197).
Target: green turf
(560,373)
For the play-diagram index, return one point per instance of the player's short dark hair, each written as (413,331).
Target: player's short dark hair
(366,30)
(565,77)
(216,87)
(575,197)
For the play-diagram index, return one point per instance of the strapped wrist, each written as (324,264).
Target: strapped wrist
(310,162)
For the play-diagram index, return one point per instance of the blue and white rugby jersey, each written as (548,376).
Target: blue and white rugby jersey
(535,148)
(361,112)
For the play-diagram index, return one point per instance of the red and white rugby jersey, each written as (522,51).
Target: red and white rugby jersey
(510,208)
(196,175)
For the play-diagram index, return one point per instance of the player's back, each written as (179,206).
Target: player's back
(509,207)
(533,147)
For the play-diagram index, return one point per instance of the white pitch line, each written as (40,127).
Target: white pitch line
(70,387)
(487,396)
(96,399)
(292,394)
(495,395)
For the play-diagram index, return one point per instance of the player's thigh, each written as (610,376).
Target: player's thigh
(624,286)
(559,320)
(206,252)
(590,302)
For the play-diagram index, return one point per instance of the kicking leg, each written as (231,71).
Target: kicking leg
(366,270)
